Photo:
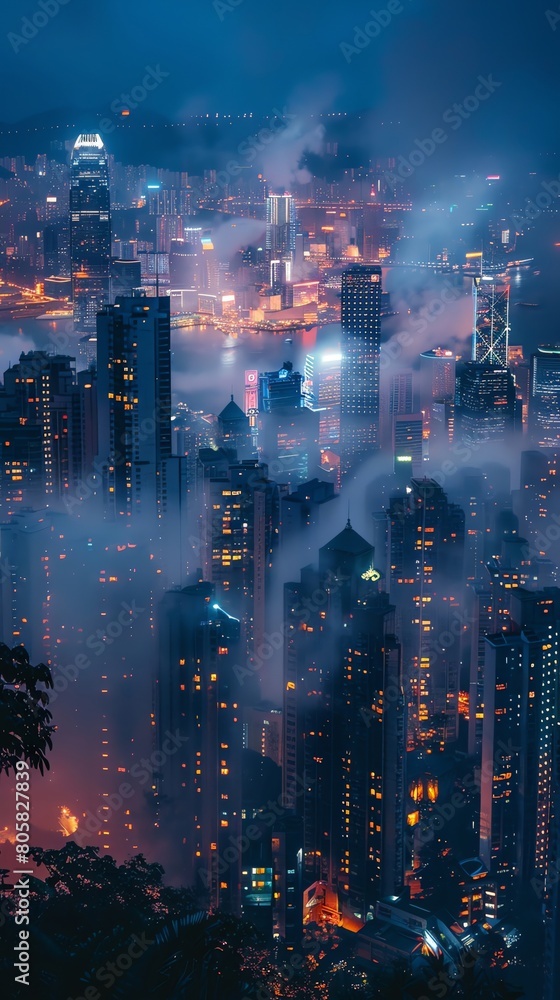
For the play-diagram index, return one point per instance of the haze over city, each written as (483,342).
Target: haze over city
(279,484)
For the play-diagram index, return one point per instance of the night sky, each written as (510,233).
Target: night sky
(242,55)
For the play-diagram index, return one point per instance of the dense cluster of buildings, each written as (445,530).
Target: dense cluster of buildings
(414,754)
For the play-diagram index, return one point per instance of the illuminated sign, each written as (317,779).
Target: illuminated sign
(371,574)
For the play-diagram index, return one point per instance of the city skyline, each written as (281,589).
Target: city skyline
(279,482)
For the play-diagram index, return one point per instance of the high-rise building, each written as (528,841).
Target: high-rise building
(235,431)
(408,441)
(344,724)
(43,430)
(199,784)
(134,404)
(322,393)
(401,398)
(426,546)
(518,743)
(361,338)
(280,226)
(544,402)
(241,512)
(491,321)
(486,406)
(90,230)
(437,375)
(281,389)
(56,249)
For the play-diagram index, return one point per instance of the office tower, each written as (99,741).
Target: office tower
(491,321)
(544,403)
(199,781)
(344,724)
(184,265)
(134,404)
(281,389)
(241,512)
(90,230)
(280,277)
(437,375)
(322,392)
(126,278)
(87,382)
(518,743)
(56,249)
(234,431)
(42,429)
(408,442)
(280,227)
(289,442)
(209,266)
(426,549)
(496,565)
(169,229)
(154,268)
(442,423)
(521,371)
(401,398)
(288,431)
(361,333)
(486,408)
(396,398)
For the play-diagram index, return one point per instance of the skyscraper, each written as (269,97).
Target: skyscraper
(344,724)
(199,783)
(361,337)
(280,226)
(134,385)
(90,229)
(437,375)
(486,405)
(426,546)
(43,430)
(491,321)
(518,742)
(544,403)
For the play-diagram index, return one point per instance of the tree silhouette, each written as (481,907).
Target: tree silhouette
(25,730)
